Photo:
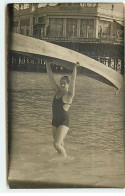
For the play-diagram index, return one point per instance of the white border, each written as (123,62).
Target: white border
(3,184)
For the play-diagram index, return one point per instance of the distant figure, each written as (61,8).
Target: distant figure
(64,94)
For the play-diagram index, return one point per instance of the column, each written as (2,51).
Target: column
(19,26)
(45,29)
(64,27)
(114,64)
(96,27)
(36,19)
(25,29)
(111,30)
(122,66)
(31,26)
(46,26)
(78,27)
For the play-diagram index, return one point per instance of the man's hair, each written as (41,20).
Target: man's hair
(65,78)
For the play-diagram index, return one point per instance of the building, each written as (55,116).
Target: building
(96,30)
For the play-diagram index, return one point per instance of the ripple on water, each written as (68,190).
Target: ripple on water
(95,142)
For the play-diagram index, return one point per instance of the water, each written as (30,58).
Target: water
(94,144)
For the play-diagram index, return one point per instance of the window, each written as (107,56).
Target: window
(25,22)
(33,20)
(55,28)
(15,23)
(118,30)
(41,20)
(105,25)
(71,27)
(87,28)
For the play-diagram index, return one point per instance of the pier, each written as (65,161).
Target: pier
(95,30)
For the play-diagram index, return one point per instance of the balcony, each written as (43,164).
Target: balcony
(69,39)
(104,40)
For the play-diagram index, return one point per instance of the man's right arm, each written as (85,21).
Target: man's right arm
(51,77)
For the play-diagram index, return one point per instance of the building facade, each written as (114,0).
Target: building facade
(93,29)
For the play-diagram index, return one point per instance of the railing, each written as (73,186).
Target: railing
(71,39)
(83,40)
(113,40)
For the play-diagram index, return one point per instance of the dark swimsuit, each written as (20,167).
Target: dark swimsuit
(60,116)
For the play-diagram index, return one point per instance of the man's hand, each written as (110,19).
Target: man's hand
(77,64)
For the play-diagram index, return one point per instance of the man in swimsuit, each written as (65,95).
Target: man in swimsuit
(61,102)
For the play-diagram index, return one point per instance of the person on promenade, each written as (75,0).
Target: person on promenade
(64,94)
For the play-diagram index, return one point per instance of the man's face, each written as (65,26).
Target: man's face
(64,85)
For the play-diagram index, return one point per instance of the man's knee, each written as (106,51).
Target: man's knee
(57,145)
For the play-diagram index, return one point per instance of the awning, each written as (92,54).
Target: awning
(120,22)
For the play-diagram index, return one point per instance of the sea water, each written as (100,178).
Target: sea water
(94,143)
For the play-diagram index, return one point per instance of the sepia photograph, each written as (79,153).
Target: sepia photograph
(65,86)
